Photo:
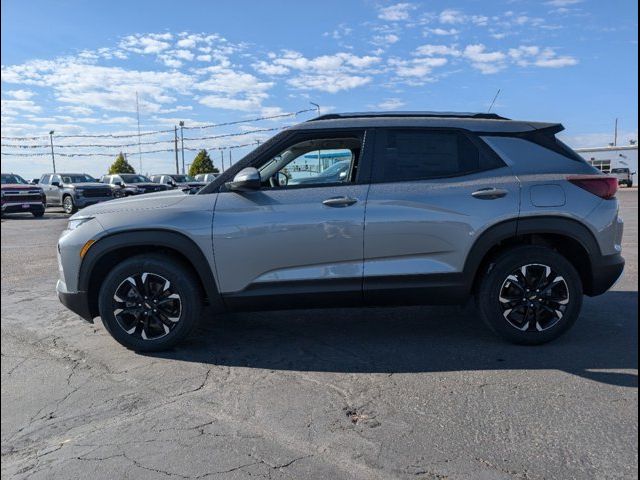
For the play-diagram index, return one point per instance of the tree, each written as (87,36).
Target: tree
(202,164)
(121,165)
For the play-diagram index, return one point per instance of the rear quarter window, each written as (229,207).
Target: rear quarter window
(525,156)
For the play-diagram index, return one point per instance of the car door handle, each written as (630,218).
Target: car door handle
(489,193)
(339,201)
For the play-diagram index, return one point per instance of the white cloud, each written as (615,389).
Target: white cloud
(431,50)
(385,40)
(417,67)
(391,104)
(562,3)
(442,31)
(16,107)
(451,17)
(332,83)
(532,55)
(146,43)
(20,94)
(485,62)
(396,12)
(266,68)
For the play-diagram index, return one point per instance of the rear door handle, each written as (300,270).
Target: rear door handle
(339,202)
(489,193)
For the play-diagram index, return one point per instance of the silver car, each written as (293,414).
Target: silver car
(434,208)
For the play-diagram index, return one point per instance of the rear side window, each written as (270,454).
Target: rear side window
(412,154)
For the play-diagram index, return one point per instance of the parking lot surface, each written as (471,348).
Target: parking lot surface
(372,393)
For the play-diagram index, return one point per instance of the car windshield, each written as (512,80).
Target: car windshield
(81,178)
(336,168)
(183,178)
(12,178)
(134,179)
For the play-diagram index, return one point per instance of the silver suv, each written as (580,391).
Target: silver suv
(434,208)
(72,191)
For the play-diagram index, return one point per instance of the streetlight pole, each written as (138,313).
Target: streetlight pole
(175,147)
(53,158)
(182,143)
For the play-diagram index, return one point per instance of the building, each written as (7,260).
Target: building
(606,158)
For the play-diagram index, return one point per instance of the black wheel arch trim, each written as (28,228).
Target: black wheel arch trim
(157,238)
(532,225)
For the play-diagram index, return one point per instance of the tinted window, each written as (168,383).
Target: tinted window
(45,179)
(8,178)
(620,170)
(418,155)
(81,178)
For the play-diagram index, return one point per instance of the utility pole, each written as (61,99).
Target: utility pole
(139,146)
(222,160)
(175,147)
(230,161)
(53,158)
(615,134)
(182,143)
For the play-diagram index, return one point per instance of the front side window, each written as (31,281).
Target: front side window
(413,154)
(45,179)
(313,162)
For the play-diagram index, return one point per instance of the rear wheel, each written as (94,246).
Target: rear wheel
(530,295)
(150,303)
(38,213)
(68,205)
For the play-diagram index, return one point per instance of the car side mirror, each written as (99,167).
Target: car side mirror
(118,184)
(245,180)
(55,184)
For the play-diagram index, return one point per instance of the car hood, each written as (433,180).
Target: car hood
(85,185)
(19,186)
(136,202)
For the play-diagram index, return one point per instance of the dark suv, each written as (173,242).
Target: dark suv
(18,196)
(126,184)
(434,208)
(72,191)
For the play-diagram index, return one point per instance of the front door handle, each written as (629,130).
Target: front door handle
(490,193)
(339,201)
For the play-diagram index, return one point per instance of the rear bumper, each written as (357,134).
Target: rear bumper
(77,302)
(605,272)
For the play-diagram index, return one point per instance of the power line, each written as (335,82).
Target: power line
(156,132)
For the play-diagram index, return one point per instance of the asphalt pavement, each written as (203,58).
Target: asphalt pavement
(416,392)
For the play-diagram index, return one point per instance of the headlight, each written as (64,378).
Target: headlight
(76,222)
(79,190)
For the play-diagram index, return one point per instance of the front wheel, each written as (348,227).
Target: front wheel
(68,205)
(38,213)
(530,295)
(149,303)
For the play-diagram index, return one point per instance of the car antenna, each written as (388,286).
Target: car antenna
(493,101)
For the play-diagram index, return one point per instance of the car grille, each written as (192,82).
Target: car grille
(97,192)
(22,196)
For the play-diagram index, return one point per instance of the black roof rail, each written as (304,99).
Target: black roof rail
(474,115)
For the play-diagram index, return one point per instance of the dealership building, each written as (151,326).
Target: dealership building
(613,156)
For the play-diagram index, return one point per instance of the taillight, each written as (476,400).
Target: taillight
(603,187)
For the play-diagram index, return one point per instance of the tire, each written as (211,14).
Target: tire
(38,213)
(555,308)
(68,205)
(629,184)
(137,327)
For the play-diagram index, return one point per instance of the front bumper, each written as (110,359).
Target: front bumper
(77,302)
(605,272)
(22,207)
(82,202)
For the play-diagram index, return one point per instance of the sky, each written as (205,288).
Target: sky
(75,66)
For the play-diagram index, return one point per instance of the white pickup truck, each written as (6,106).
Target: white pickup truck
(624,176)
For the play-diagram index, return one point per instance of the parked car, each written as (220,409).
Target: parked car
(457,206)
(335,173)
(177,181)
(206,177)
(624,176)
(20,197)
(126,184)
(34,181)
(72,191)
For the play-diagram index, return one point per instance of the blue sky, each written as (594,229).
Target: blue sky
(74,67)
